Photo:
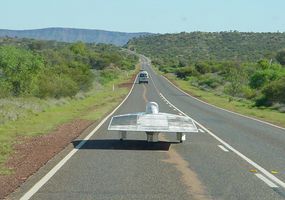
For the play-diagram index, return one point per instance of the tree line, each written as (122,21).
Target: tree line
(54,69)
(221,46)
(240,65)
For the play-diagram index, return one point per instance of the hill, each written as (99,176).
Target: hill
(250,66)
(73,35)
(221,46)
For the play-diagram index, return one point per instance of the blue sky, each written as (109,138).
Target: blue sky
(157,16)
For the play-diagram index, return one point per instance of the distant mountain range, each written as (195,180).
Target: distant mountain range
(73,35)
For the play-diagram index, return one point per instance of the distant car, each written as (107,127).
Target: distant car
(143,77)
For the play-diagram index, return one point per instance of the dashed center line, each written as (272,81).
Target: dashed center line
(223,148)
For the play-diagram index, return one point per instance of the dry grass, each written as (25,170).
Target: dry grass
(33,116)
(241,106)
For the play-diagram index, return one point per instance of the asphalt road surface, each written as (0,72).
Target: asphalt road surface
(232,157)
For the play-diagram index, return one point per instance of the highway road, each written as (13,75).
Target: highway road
(231,157)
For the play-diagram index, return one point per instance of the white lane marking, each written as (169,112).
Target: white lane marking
(261,169)
(174,109)
(223,148)
(52,172)
(266,180)
(254,164)
(225,109)
(201,130)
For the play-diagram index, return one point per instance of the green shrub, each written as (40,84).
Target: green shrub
(57,86)
(262,101)
(20,69)
(53,69)
(81,74)
(202,67)
(280,57)
(210,80)
(108,75)
(247,92)
(275,91)
(262,77)
(78,48)
(183,72)
(5,89)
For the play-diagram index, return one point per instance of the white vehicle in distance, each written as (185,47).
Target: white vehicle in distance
(143,77)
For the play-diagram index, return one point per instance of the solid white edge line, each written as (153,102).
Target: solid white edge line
(223,148)
(266,180)
(53,171)
(261,169)
(264,122)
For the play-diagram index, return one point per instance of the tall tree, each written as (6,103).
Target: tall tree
(20,68)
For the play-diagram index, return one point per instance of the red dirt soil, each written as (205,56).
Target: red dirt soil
(128,84)
(31,153)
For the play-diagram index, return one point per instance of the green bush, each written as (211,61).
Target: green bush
(184,72)
(247,92)
(280,57)
(108,75)
(53,69)
(78,48)
(210,80)
(264,64)
(81,74)
(5,89)
(202,67)
(56,86)
(20,69)
(275,91)
(262,77)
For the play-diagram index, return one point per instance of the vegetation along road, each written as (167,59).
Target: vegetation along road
(50,92)
(54,97)
(232,157)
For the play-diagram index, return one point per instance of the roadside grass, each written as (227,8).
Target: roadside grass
(244,107)
(93,106)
